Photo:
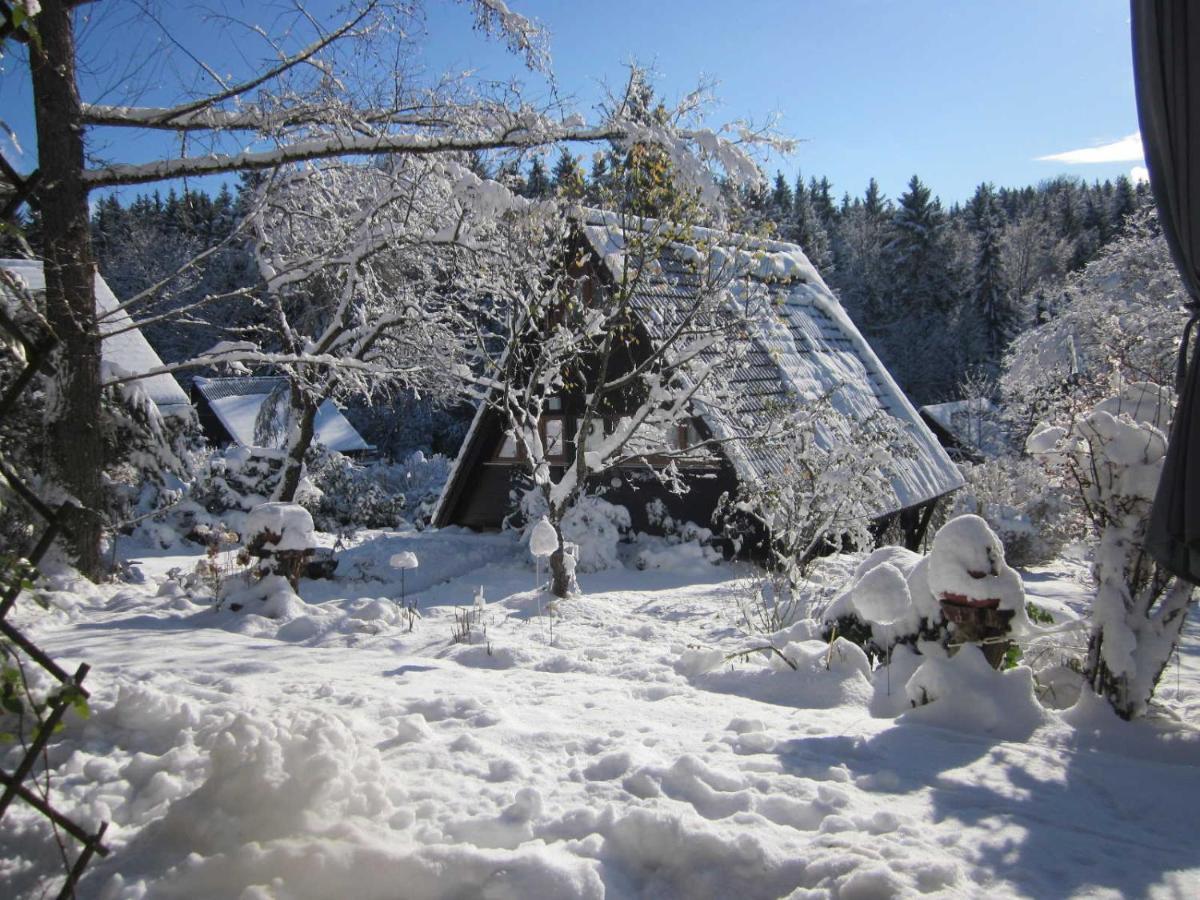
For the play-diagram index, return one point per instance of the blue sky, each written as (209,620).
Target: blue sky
(957,92)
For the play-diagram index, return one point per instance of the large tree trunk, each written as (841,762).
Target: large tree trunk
(74,415)
(561,580)
(301,430)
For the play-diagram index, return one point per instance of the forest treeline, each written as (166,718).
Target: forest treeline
(940,291)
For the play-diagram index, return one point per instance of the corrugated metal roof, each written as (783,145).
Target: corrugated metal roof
(803,348)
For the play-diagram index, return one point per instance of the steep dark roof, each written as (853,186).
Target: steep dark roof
(804,348)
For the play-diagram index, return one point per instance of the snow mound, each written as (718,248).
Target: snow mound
(965,693)
(291,523)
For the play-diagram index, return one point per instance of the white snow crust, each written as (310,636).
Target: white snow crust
(310,745)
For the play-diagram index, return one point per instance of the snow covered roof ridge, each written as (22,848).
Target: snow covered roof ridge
(124,347)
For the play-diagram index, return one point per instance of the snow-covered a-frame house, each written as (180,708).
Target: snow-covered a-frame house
(230,414)
(124,350)
(809,347)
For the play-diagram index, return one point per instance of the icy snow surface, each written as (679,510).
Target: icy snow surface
(611,751)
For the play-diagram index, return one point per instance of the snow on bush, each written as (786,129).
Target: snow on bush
(1113,457)
(681,544)
(377,494)
(1033,521)
(280,526)
(593,524)
(888,603)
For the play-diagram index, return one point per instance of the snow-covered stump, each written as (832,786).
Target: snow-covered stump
(1114,456)
(281,535)
(979,593)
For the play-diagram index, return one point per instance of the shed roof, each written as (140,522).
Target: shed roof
(128,350)
(805,348)
(236,402)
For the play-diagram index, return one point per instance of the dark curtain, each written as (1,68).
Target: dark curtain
(1166,67)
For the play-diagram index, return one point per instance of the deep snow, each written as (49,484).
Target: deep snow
(608,751)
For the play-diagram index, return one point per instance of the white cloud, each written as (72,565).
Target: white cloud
(1127,149)
(1138,174)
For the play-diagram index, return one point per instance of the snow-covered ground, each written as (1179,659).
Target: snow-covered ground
(607,750)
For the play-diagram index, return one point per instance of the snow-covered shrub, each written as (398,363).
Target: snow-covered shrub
(1112,458)
(593,524)
(1013,495)
(965,692)
(836,480)
(681,544)
(888,603)
(377,494)
(237,480)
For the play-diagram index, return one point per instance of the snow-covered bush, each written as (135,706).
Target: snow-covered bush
(836,480)
(380,494)
(1111,458)
(681,544)
(888,603)
(595,526)
(1014,497)
(237,480)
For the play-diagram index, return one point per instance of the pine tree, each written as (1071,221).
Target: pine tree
(990,293)
(807,230)
(568,176)
(537,184)
(781,203)
(917,253)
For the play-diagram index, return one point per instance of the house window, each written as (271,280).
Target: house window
(508,448)
(553,437)
(592,435)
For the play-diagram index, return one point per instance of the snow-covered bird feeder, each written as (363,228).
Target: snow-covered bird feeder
(404,560)
(979,593)
(284,534)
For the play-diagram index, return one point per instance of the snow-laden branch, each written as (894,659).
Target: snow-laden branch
(331,146)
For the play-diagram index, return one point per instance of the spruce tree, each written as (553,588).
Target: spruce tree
(537,184)
(568,176)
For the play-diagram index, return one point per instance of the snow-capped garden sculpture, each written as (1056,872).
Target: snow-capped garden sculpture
(979,593)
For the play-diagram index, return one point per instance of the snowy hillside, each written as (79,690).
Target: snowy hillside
(609,750)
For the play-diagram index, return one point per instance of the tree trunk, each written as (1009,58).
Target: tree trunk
(74,414)
(560,577)
(300,438)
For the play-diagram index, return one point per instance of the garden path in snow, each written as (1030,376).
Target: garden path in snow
(588,758)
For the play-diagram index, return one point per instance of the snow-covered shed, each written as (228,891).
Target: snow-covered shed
(970,430)
(806,347)
(229,410)
(124,350)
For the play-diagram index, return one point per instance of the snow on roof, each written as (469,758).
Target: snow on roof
(236,402)
(973,423)
(128,350)
(808,348)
